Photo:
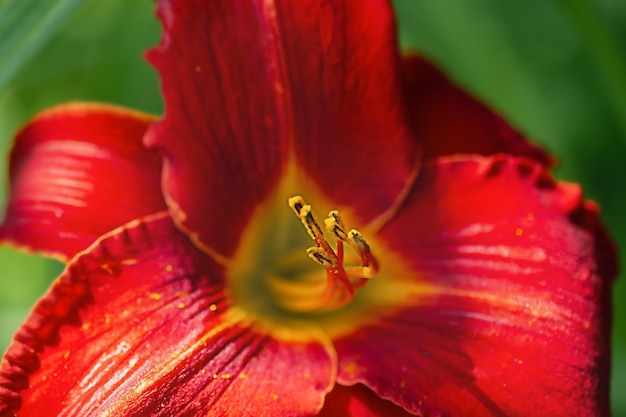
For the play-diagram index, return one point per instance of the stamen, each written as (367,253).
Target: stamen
(356,241)
(320,256)
(303,211)
(349,277)
(334,224)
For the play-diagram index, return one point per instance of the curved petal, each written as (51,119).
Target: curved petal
(447,120)
(358,401)
(77,171)
(254,87)
(513,315)
(139,325)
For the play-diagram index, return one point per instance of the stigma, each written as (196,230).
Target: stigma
(342,280)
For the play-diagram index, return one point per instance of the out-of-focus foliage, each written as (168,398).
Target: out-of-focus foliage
(25,26)
(556,68)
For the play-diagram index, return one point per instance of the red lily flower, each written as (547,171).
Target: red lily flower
(473,283)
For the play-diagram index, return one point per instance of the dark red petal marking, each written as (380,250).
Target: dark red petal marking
(252,85)
(359,401)
(448,121)
(78,171)
(514,317)
(138,325)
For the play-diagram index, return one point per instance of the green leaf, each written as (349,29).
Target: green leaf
(25,26)
(606,57)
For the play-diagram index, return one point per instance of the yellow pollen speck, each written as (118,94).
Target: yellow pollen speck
(519,231)
(66,354)
(203,371)
(213,307)
(107,268)
(225,376)
(128,261)
(243,376)
(155,296)
(181,305)
(274,396)
(351,368)
(169,268)
(215,376)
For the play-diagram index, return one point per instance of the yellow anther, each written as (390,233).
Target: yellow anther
(335,215)
(362,248)
(320,256)
(355,239)
(334,224)
(296,202)
(303,211)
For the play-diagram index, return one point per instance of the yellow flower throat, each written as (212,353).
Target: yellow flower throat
(273,286)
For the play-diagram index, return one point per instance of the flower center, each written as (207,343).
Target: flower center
(275,287)
(341,281)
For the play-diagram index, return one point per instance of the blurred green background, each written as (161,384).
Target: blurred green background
(555,68)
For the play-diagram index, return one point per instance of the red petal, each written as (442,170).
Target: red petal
(78,171)
(254,87)
(513,315)
(448,121)
(138,325)
(358,401)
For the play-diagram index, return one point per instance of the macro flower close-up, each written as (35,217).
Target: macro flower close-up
(318,224)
